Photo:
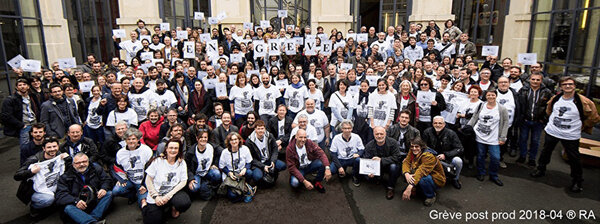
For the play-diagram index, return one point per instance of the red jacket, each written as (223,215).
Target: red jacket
(312,152)
(150,131)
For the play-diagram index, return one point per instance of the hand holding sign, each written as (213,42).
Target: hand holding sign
(198,15)
(182,35)
(64,63)
(165,26)
(31,65)
(489,51)
(119,33)
(281,13)
(527,58)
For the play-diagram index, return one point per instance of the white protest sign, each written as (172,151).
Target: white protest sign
(274,47)
(221,89)
(213,21)
(222,16)
(290,47)
(362,37)
(453,102)
(147,56)
(338,45)
(198,15)
(16,61)
(527,58)
(310,47)
(202,74)
(165,26)
(265,24)
(182,35)
(370,166)
(283,83)
(31,65)
(64,63)
(299,40)
(346,66)
(236,58)
(86,86)
(189,49)
(119,33)
(489,50)
(204,37)
(260,48)
(282,13)
(326,47)
(310,37)
(248,26)
(146,37)
(232,79)
(212,47)
(351,35)
(323,37)
(209,84)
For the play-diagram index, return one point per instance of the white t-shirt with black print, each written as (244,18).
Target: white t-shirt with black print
(133,162)
(267,99)
(140,102)
(486,129)
(93,120)
(166,176)
(129,117)
(343,104)
(46,180)
(242,99)
(205,160)
(302,156)
(564,122)
(311,133)
(346,149)
(318,120)
(296,97)
(508,101)
(318,97)
(236,161)
(382,104)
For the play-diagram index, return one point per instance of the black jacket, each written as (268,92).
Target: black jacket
(497,71)
(389,154)
(255,151)
(539,109)
(446,142)
(206,109)
(109,149)
(273,128)
(11,115)
(192,161)
(220,134)
(411,133)
(88,147)
(70,184)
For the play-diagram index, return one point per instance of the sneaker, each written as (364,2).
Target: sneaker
(355,181)
(248,198)
(429,201)
(538,173)
(319,187)
(389,194)
(456,184)
(34,213)
(520,160)
(100,222)
(497,181)
(531,163)
(576,187)
(503,165)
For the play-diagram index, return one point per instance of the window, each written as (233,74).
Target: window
(20,33)
(298,12)
(564,35)
(90,25)
(483,20)
(380,13)
(181,12)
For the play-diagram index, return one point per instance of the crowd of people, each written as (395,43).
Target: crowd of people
(224,112)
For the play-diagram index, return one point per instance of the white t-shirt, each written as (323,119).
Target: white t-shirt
(140,103)
(165,100)
(133,162)
(166,176)
(242,99)
(263,148)
(267,99)
(237,162)
(486,129)
(131,49)
(205,159)
(129,117)
(302,156)
(450,50)
(318,120)
(342,103)
(318,97)
(311,133)
(468,108)
(156,47)
(516,85)
(93,120)
(46,180)
(362,109)
(296,97)
(345,149)
(564,122)
(382,105)
(281,127)
(508,101)
(484,86)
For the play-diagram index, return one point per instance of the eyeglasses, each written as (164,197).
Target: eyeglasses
(424,84)
(567,84)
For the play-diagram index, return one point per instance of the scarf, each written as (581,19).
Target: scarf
(198,98)
(297,85)
(184,94)
(363,95)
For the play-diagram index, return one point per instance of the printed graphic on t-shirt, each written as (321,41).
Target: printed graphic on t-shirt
(379,112)
(294,102)
(485,128)
(166,186)
(137,106)
(559,122)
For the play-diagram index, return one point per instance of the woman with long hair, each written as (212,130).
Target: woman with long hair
(235,162)
(199,101)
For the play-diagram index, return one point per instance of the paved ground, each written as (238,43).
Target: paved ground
(344,203)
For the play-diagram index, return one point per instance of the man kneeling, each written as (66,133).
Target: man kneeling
(423,170)
(303,157)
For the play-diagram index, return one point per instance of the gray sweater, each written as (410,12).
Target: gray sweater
(503,124)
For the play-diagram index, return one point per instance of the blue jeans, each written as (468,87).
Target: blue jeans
(212,177)
(257,174)
(80,216)
(130,190)
(494,151)
(427,186)
(233,197)
(315,166)
(41,200)
(95,134)
(354,162)
(24,135)
(536,131)
(458,163)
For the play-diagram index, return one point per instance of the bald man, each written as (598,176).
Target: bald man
(304,157)
(75,143)
(386,150)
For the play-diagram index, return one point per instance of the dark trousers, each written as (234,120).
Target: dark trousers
(153,213)
(393,170)
(512,141)
(571,148)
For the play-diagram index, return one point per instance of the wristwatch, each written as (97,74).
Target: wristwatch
(327,167)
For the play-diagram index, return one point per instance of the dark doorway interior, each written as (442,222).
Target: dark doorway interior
(369,13)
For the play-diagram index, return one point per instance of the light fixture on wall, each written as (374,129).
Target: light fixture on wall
(585,14)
